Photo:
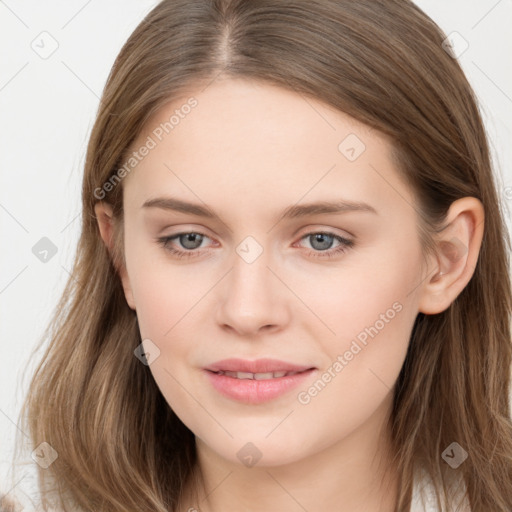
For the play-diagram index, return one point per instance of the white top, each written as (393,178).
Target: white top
(424,499)
(422,503)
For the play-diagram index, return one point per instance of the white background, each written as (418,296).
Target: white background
(47,108)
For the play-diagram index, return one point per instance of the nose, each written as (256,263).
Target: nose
(251,299)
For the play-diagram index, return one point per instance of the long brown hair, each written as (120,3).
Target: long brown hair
(120,446)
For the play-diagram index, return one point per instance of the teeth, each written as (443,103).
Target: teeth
(243,375)
(262,376)
(256,376)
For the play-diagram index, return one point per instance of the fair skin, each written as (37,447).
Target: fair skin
(248,151)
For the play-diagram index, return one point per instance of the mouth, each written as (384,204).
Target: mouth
(255,382)
(258,376)
(245,368)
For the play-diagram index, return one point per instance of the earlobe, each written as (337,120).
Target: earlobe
(458,246)
(104,216)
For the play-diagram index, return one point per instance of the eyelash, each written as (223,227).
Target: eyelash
(191,253)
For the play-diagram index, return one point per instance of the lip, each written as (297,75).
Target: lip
(258,366)
(252,391)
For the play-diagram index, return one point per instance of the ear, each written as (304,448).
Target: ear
(105,223)
(458,246)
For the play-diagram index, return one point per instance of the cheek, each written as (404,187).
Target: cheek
(165,292)
(164,304)
(165,300)
(367,289)
(372,313)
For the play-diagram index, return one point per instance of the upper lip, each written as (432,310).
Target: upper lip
(258,366)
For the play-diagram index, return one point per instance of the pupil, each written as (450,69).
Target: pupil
(189,238)
(322,237)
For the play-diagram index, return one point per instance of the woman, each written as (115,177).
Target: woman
(339,338)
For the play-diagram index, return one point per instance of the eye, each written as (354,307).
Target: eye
(321,243)
(190,241)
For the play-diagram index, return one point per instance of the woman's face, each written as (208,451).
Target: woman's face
(331,289)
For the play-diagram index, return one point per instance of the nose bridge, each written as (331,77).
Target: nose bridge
(250,269)
(250,297)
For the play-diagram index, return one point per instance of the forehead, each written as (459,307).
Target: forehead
(236,110)
(259,141)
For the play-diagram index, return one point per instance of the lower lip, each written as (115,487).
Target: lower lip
(251,391)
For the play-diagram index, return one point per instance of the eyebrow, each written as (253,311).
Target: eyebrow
(291,212)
